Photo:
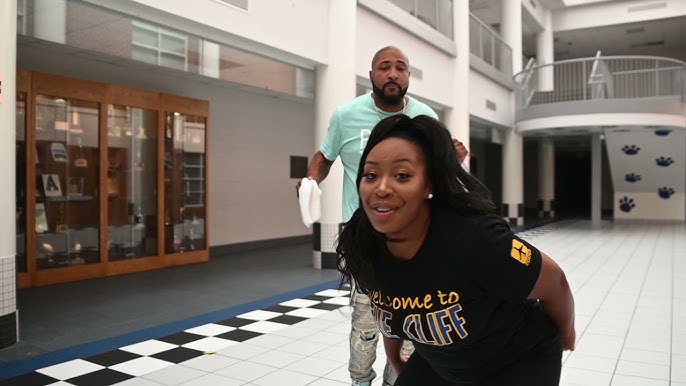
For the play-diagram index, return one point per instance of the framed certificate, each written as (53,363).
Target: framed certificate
(51,185)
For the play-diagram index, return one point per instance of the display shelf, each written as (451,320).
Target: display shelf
(65,199)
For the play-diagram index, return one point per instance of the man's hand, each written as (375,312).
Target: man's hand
(297,186)
(318,170)
(462,151)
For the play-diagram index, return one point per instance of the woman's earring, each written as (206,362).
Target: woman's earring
(430,196)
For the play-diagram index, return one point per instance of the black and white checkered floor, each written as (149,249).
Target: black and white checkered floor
(294,342)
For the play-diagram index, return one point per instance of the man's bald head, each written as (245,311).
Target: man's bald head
(388,48)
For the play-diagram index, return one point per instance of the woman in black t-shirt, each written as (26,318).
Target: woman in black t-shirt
(482,306)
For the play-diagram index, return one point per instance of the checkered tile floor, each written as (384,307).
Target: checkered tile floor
(196,354)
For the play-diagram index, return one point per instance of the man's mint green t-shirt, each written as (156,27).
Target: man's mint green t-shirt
(349,129)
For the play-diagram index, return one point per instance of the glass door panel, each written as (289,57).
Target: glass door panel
(20,172)
(131,182)
(67,175)
(184,181)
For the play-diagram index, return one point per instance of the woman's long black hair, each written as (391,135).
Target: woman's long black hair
(453,189)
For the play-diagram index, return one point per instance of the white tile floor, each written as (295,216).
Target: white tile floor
(629,282)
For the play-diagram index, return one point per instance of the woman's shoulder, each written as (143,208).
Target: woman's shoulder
(475,227)
(453,215)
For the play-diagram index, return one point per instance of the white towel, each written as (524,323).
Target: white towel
(309,198)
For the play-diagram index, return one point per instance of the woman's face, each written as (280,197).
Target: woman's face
(394,189)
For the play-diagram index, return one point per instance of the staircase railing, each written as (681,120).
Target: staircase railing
(601,77)
(525,85)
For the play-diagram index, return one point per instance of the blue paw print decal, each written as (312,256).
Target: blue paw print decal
(665,192)
(630,149)
(664,161)
(662,132)
(626,204)
(632,177)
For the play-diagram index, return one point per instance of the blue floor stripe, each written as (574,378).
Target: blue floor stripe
(23,366)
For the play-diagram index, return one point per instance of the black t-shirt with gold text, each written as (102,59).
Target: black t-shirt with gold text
(462,299)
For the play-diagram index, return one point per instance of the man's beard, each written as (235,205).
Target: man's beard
(393,100)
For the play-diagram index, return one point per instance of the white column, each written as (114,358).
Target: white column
(334,85)
(50,20)
(596,179)
(546,178)
(513,176)
(456,118)
(8,231)
(210,59)
(545,53)
(304,83)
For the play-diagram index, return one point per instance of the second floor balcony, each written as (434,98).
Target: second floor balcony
(600,85)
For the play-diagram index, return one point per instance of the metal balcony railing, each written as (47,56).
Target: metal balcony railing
(485,43)
(438,14)
(609,77)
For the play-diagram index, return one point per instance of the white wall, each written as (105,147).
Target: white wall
(657,192)
(482,89)
(252,196)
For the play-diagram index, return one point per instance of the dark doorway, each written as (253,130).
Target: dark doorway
(572,183)
(493,173)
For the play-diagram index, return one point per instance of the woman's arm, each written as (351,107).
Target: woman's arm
(552,290)
(392,347)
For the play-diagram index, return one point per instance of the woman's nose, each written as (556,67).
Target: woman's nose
(383,189)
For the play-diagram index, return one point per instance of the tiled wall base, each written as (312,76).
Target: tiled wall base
(8,330)
(8,301)
(324,254)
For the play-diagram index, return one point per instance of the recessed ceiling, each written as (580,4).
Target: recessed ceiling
(664,37)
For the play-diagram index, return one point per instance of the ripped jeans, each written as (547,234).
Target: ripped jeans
(364,337)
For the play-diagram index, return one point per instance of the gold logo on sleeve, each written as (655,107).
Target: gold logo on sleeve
(520,252)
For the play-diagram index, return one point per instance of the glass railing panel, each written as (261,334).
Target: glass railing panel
(438,14)
(488,46)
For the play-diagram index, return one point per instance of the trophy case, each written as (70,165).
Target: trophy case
(93,183)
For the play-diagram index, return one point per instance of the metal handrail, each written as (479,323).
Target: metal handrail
(601,77)
(526,91)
